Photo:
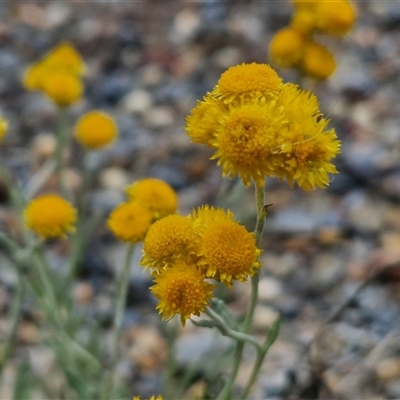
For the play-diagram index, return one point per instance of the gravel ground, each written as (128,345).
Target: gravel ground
(331,258)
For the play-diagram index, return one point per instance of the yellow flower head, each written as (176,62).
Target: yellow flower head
(304,21)
(63,88)
(206,215)
(203,120)
(65,57)
(34,76)
(130,221)
(50,216)
(246,139)
(318,62)
(95,129)
(181,289)
(61,59)
(335,17)
(155,194)
(3,128)
(286,47)
(307,146)
(247,81)
(167,239)
(227,250)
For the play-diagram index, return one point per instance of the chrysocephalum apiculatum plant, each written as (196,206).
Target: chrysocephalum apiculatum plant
(257,126)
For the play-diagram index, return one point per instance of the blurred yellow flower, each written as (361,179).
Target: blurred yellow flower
(157,195)
(181,289)
(3,128)
(65,57)
(168,238)
(61,59)
(317,62)
(95,130)
(335,17)
(227,250)
(324,16)
(247,81)
(286,47)
(129,222)
(50,216)
(63,88)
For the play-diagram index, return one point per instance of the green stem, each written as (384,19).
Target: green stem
(261,353)
(14,318)
(121,290)
(61,145)
(226,331)
(226,392)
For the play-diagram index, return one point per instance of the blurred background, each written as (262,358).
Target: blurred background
(331,257)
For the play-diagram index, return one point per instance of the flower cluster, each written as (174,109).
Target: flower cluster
(259,126)
(148,200)
(159,397)
(58,74)
(50,216)
(184,252)
(295,46)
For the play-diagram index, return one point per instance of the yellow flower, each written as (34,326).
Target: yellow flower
(335,17)
(61,59)
(206,215)
(130,221)
(181,289)
(63,88)
(64,56)
(247,81)
(307,146)
(318,62)
(304,21)
(286,47)
(3,128)
(246,139)
(227,250)
(168,238)
(95,129)
(325,16)
(282,136)
(50,216)
(34,76)
(203,120)
(155,194)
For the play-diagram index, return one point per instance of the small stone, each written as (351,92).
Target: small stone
(43,147)
(28,333)
(158,117)
(83,292)
(137,101)
(264,317)
(148,348)
(114,178)
(388,369)
(269,289)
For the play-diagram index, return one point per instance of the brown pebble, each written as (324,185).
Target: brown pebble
(83,292)
(388,369)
